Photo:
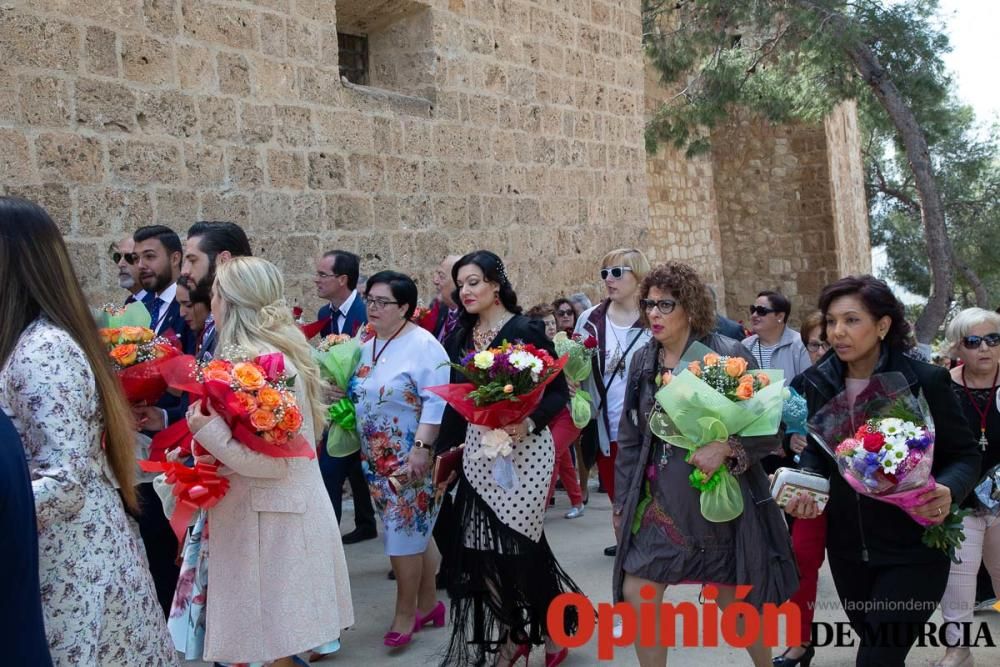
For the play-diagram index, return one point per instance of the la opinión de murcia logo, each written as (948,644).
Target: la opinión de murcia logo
(739,625)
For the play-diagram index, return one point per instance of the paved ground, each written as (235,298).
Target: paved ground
(578,544)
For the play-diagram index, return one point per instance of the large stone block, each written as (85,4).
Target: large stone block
(349,212)
(148,60)
(286,169)
(167,112)
(44,101)
(33,41)
(176,208)
(273,35)
(161,16)
(230,206)
(219,24)
(219,121)
(146,162)
(104,105)
(112,212)
(326,171)
(206,166)
(244,167)
(196,68)
(55,198)
(293,126)
(69,157)
(234,74)
(256,123)
(100,51)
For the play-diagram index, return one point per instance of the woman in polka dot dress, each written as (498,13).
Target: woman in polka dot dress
(504,574)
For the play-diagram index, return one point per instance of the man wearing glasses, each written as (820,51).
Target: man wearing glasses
(122,253)
(337,273)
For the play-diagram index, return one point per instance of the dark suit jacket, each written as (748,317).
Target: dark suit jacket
(518,328)
(728,328)
(174,324)
(357,317)
(855,522)
(22,629)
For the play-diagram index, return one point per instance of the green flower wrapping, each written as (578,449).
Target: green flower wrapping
(578,368)
(337,365)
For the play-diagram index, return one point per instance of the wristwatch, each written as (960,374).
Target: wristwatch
(420,444)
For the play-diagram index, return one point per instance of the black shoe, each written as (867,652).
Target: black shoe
(601,489)
(804,659)
(359,535)
(611,551)
(391,576)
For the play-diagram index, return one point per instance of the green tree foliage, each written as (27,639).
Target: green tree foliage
(793,60)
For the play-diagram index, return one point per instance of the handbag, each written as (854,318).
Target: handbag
(446,463)
(988,491)
(787,482)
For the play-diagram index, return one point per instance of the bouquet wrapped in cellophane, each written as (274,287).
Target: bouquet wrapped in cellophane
(713,398)
(883,444)
(579,354)
(338,356)
(505,385)
(136,352)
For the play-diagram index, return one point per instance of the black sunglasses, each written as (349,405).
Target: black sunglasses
(129,257)
(665,306)
(973,342)
(615,272)
(568,312)
(761,310)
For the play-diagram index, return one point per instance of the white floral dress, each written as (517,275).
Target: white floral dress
(97,594)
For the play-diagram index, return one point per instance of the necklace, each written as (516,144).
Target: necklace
(482,339)
(986,409)
(376,353)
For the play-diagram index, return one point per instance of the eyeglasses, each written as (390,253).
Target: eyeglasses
(615,272)
(129,257)
(813,346)
(376,303)
(973,342)
(567,312)
(761,310)
(665,306)
(322,275)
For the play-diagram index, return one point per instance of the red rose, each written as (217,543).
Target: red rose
(590,343)
(873,442)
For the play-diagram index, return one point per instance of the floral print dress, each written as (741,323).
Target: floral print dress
(97,594)
(392,400)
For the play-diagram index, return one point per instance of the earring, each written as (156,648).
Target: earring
(881,336)
(496,299)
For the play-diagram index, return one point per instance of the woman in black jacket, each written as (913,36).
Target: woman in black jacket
(502,573)
(888,581)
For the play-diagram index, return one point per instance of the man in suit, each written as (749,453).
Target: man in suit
(210,243)
(336,280)
(159,251)
(447,310)
(123,255)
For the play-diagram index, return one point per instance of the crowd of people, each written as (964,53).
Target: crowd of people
(98,575)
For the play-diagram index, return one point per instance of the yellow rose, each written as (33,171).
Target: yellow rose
(711,359)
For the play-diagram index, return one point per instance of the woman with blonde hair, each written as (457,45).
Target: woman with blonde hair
(58,388)
(974,339)
(616,324)
(282,585)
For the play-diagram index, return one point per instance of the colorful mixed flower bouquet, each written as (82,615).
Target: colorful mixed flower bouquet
(579,353)
(505,386)
(713,398)
(136,352)
(338,356)
(253,396)
(889,456)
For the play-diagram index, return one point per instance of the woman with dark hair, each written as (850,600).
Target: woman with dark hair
(668,541)
(68,408)
(565,314)
(504,575)
(196,308)
(885,576)
(398,420)
(773,343)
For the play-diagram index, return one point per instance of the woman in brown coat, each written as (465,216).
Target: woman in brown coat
(672,543)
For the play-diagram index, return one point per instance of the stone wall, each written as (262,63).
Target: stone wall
(513,125)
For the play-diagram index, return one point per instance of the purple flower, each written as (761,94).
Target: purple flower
(468,358)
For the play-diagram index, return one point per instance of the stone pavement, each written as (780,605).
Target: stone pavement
(578,544)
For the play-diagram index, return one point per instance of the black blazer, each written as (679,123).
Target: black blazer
(858,523)
(518,328)
(22,630)
(356,318)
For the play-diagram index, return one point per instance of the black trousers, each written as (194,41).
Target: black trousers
(335,470)
(887,605)
(161,545)
(446,533)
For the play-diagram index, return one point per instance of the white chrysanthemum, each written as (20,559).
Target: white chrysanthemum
(893,455)
(524,360)
(911,430)
(891,426)
(483,360)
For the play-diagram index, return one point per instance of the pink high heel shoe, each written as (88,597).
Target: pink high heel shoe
(435,616)
(397,639)
(553,659)
(523,651)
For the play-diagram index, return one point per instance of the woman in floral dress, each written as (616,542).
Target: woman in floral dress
(398,420)
(66,404)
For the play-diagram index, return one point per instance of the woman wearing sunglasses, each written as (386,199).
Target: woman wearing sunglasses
(974,338)
(565,314)
(774,344)
(663,538)
(615,323)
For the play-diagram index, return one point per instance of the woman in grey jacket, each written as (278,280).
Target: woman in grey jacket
(774,344)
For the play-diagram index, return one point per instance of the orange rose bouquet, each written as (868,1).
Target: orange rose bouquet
(254,397)
(136,352)
(712,398)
